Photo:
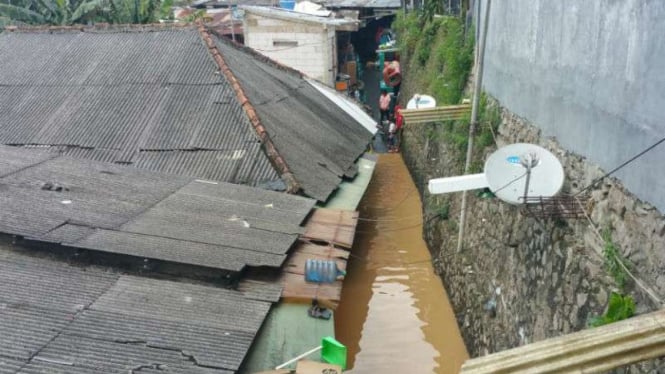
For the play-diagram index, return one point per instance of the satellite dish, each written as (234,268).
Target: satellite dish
(421,102)
(508,172)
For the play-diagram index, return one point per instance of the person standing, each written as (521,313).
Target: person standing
(384,106)
(399,122)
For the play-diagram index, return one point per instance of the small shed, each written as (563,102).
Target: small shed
(305,42)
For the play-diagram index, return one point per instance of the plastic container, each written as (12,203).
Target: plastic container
(321,271)
(287,4)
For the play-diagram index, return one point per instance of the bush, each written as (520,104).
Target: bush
(619,308)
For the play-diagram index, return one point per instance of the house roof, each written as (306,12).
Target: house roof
(318,140)
(380,4)
(59,318)
(131,212)
(153,98)
(294,16)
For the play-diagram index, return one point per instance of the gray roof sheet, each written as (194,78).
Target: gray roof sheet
(318,140)
(58,318)
(123,210)
(152,99)
(155,100)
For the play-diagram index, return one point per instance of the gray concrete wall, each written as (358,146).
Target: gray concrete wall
(590,73)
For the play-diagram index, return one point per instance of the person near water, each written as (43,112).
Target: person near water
(384,106)
(399,122)
(391,136)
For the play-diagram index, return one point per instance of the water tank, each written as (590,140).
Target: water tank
(321,271)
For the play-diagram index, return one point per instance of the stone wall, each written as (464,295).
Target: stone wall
(520,279)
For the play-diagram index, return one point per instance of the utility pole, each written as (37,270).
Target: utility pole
(474,117)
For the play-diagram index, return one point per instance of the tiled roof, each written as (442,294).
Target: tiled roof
(132,212)
(59,318)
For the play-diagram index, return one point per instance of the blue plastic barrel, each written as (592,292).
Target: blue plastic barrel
(321,271)
(287,4)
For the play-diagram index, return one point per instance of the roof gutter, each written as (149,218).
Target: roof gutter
(276,159)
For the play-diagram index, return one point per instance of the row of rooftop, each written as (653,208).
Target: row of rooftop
(155,182)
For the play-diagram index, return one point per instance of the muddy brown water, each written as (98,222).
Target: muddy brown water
(395,316)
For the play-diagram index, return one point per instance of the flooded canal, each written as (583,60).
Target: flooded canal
(395,316)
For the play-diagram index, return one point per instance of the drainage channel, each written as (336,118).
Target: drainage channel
(395,316)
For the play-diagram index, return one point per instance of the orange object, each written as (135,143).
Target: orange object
(341,85)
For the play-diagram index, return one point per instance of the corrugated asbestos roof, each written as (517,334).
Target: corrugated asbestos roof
(319,141)
(152,99)
(58,318)
(105,207)
(155,99)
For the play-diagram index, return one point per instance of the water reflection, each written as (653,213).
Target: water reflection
(395,316)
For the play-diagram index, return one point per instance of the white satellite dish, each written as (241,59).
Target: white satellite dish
(508,172)
(421,102)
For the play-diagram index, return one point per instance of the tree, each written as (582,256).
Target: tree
(68,12)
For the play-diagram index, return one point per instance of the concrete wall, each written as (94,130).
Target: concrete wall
(313,55)
(590,73)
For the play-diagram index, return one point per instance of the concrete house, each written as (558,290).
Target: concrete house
(304,42)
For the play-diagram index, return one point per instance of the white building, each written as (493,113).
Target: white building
(301,41)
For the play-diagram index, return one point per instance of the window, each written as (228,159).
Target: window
(284,43)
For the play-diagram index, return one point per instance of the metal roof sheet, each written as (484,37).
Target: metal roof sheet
(123,210)
(319,141)
(58,318)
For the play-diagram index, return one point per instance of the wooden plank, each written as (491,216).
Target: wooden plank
(333,226)
(589,351)
(295,287)
(445,113)
(321,250)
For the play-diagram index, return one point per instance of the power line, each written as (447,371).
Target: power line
(621,166)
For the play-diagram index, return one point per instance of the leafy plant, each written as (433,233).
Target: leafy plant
(613,260)
(619,308)
(68,12)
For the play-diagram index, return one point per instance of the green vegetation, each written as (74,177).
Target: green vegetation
(437,57)
(66,12)
(613,259)
(619,308)
(437,54)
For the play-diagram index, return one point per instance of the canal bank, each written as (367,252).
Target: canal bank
(395,315)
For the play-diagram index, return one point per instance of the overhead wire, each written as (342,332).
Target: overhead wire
(624,164)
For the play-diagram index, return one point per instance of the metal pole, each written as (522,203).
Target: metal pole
(474,118)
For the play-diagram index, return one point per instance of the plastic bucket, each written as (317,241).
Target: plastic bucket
(287,4)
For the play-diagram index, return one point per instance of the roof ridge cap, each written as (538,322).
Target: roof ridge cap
(102,27)
(273,154)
